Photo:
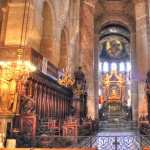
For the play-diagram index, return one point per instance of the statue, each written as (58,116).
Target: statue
(79,75)
(27,105)
(80,93)
(147,90)
(80,83)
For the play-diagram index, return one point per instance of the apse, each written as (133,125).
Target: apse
(114,67)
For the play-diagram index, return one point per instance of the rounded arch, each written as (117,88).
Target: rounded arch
(111,32)
(47,41)
(120,20)
(64,41)
(118,23)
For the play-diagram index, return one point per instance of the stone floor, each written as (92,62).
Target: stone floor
(117,141)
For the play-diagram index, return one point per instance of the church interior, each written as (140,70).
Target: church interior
(75,74)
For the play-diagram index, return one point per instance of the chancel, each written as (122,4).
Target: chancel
(74,74)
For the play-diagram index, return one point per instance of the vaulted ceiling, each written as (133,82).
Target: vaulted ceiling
(116,11)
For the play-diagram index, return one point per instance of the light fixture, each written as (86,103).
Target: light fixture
(65,79)
(20,67)
(16,71)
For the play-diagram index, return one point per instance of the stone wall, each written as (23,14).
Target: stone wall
(60,14)
(78,20)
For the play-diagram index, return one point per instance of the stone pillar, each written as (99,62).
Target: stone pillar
(148,11)
(96,71)
(87,51)
(134,80)
(141,38)
(142,51)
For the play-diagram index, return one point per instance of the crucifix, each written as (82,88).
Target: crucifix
(116,143)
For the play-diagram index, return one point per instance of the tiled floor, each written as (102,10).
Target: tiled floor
(117,141)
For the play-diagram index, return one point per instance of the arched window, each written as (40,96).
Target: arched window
(105,67)
(122,67)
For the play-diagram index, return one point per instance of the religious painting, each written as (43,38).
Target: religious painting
(114,47)
(114,92)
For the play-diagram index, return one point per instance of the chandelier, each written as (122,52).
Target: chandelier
(65,79)
(18,70)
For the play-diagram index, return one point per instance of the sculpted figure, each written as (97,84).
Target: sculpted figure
(28,105)
(80,83)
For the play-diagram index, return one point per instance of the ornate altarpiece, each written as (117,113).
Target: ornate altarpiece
(114,87)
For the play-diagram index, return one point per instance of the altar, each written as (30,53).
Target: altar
(114,90)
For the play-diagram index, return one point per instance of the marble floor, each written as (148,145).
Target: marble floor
(116,141)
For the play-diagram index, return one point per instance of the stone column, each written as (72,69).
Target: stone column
(134,80)
(148,11)
(87,51)
(142,52)
(96,71)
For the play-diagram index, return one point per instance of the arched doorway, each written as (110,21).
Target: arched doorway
(114,72)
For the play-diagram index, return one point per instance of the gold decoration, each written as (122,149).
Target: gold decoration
(113,83)
(78,90)
(12,76)
(118,76)
(65,79)
(114,47)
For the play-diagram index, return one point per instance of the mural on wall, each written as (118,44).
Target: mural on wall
(114,47)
